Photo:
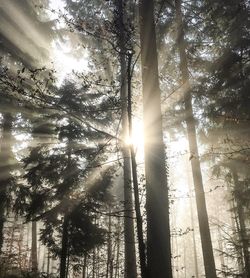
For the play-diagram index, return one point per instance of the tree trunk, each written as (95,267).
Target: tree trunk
(67,264)
(139,220)
(242,226)
(93,263)
(235,227)
(64,251)
(84,266)
(34,263)
(129,237)
(206,242)
(117,264)
(194,240)
(28,248)
(185,258)
(192,219)
(109,248)
(221,249)
(20,247)
(12,235)
(5,167)
(175,244)
(48,263)
(157,205)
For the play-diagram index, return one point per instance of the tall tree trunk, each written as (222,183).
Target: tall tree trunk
(129,237)
(192,219)
(98,262)
(109,248)
(185,258)
(236,230)
(12,235)
(84,267)
(139,219)
(194,240)
(93,263)
(20,247)
(242,226)
(175,244)
(5,167)
(117,263)
(34,263)
(64,251)
(157,205)
(206,242)
(221,249)
(48,263)
(67,264)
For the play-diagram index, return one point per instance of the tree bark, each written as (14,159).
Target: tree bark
(34,263)
(242,226)
(5,167)
(194,241)
(222,258)
(206,242)
(64,251)
(48,263)
(129,237)
(109,248)
(84,267)
(139,219)
(67,264)
(12,235)
(157,204)
(93,264)
(117,263)
(192,219)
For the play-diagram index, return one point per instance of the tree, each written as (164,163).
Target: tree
(14,55)
(157,206)
(130,257)
(34,262)
(121,31)
(223,90)
(6,165)
(59,162)
(206,241)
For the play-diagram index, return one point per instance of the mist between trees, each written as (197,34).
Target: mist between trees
(124,138)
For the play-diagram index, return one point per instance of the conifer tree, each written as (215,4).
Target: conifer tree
(130,256)
(6,165)
(157,206)
(206,241)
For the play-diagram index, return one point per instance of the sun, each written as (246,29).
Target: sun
(137,138)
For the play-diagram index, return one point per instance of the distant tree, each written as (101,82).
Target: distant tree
(7,163)
(206,241)
(216,47)
(14,55)
(226,96)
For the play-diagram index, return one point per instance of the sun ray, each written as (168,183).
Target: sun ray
(137,138)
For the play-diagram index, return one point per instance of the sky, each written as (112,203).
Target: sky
(63,61)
